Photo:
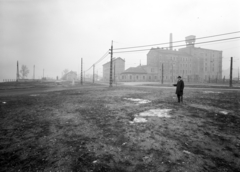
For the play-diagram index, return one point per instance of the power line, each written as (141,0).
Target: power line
(180,45)
(176,41)
(104,56)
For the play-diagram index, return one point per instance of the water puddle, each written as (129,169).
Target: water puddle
(141,117)
(223,112)
(211,92)
(162,113)
(211,109)
(138,101)
(34,95)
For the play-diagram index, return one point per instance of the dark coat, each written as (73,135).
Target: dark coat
(180,87)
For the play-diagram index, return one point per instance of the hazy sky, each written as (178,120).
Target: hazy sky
(56,34)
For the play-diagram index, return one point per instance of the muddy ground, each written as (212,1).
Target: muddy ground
(92,129)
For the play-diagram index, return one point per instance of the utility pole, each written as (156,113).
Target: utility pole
(111,62)
(43,73)
(115,71)
(81,71)
(93,73)
(17,72)
(230,82)
(162,73)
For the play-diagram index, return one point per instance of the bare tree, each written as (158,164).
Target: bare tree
(24,71)
(65,71)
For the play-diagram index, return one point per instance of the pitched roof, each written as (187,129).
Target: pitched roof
(135,70)
(119,58)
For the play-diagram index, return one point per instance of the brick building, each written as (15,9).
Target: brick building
(193,64)
(117,68)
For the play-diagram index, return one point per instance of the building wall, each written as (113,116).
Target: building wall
(118,67)
(209,63)
(174,63)
(139,78)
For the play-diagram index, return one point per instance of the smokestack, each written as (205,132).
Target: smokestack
(170,43)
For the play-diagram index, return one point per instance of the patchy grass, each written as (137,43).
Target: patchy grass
(89,129)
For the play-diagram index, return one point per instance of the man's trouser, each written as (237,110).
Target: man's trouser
(180,98)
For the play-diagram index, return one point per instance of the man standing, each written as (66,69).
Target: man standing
(179,89)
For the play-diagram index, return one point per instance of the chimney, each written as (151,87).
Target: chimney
(170,43)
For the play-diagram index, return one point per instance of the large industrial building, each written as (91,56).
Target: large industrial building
(194,64)
(118,67)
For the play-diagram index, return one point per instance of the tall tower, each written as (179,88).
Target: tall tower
(190,40)
(170,43)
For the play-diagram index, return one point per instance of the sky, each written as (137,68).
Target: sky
(55,34)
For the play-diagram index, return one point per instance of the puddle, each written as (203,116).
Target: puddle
(139,101)
(34,95)
(211,109)
(224,112)
(162,113)
(207,92)
(139,120)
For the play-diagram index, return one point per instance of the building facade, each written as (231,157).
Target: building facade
(191,63)
(118,67)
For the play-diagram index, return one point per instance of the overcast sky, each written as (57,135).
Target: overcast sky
(56,34)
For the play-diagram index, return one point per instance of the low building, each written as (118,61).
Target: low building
(140,74)
(70,76)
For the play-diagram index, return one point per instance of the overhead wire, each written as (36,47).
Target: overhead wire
(179,45)
(104,56)
(176,41)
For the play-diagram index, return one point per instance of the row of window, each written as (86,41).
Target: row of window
(149,77)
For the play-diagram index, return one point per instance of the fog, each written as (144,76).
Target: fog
(55,34)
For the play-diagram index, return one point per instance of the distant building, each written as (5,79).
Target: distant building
(140,74)
(70,76)
(118,67)
(193,64)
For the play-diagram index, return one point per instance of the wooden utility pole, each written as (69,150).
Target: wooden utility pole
(162,73)
(81,71)
(230,82)
(93,73)
(111,62)
(114,71)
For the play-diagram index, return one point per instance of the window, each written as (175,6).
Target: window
(137,77)
(155,77)
(130,76)
(122,77)
(149,77)
(143,77)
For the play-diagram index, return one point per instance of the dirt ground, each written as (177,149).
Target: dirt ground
(92,129)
